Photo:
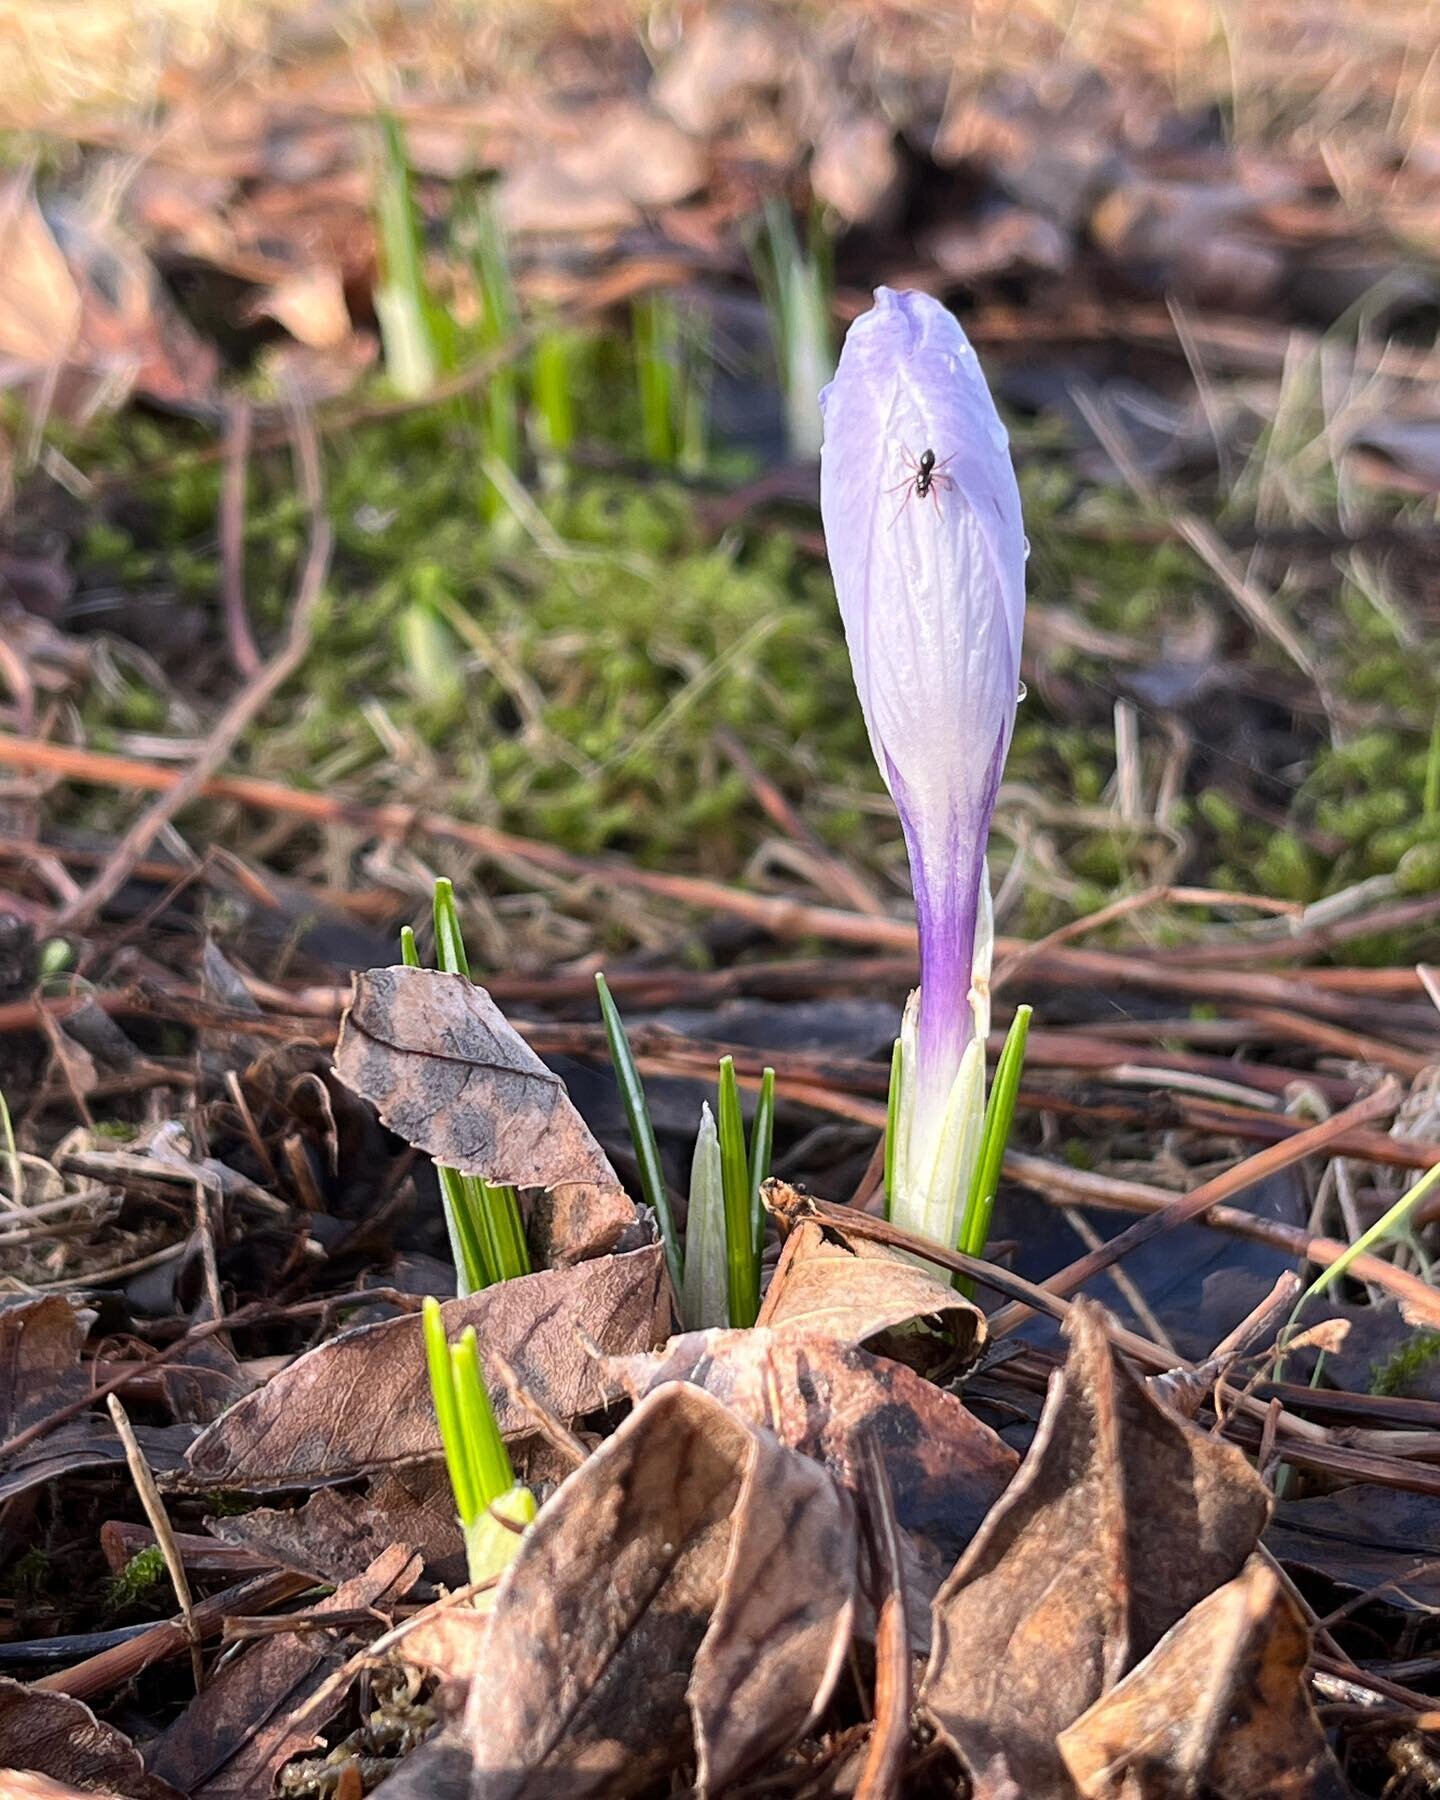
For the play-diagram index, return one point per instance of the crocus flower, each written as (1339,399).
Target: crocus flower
(923,530)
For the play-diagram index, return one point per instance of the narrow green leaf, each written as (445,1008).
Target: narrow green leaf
(550,385)
(467,1228)
(409,949)
(489,1459)
(705,1302)
(402,305)
(642,1134)
(999,1117)
(1387,1225)
(741,1261)
(510,1253)
(447,1412)
(762,1142)
(892,1123)
(449,943)
(656,370)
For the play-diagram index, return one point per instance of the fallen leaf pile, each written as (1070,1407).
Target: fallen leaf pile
(793,1545)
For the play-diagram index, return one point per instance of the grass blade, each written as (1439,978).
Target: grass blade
(402,304)
(657,349)
(999,1117)
(642,1134)
(742,1264)
(762,1142)
(551,377)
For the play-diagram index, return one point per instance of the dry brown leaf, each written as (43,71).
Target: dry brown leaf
(360,1402)
(694,1576)
(76,292)
(828,1399)
(336,1537)
(857,170)
(53,1736)
(578,1220)
(1217,1711)
(447,1071)
(39,302)
(310,304)
(1122,1518)
(251,1718)
(90,1443)
(40,1368)
(853,1290)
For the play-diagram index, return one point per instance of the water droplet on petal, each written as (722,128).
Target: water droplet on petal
(1026,543)
(1022,693)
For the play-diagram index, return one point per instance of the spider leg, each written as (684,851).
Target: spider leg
(909,490)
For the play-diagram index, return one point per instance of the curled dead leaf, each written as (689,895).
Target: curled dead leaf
(693,1579)
(854,1290)
(827,1399)
(1122,1518)
(1219,1707)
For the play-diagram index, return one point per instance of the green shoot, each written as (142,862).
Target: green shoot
(488,1500)
(705,1300)
(892,1122)
(742,1259)
(56,954)
(1390,1224)
(999,1117)
(551,378)
(797,285)
(12,1154)
(431,656)
(762,1142)
(642,1135)
(1431,807)
(500,320)
(403,307)
(487,1237)
(657,370)
(449,941)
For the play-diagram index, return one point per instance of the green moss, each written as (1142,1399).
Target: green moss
(1406,1365)
(562,673)
(137,1581)
(1286,869)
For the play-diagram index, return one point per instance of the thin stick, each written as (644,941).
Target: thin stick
(1255,1168)
(236,718)
(890,1732)
(1060,1185)
(160,1525)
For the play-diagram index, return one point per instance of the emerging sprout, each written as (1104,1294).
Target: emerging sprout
(492,1507)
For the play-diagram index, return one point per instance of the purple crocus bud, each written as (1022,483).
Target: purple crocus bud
(923,530)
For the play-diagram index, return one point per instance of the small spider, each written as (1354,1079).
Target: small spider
(925,477)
